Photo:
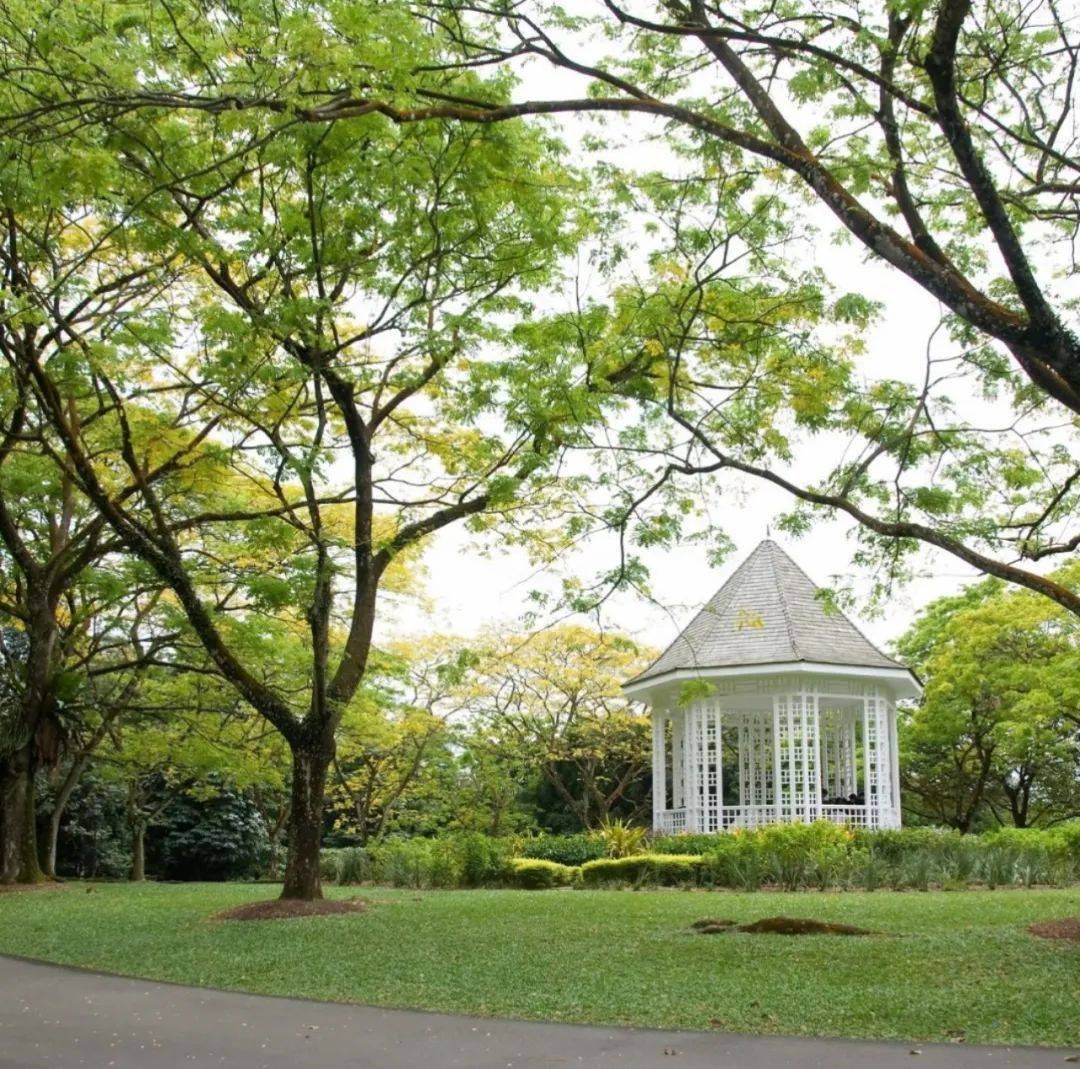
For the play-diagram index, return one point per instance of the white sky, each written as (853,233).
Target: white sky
(469,591)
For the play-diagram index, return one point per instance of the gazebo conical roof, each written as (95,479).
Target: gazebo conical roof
(767,613)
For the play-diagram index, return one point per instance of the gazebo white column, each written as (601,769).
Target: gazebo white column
(878,748)
(659,767)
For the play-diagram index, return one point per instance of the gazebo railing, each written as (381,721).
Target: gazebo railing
(670,821)
(856,816)
(725,818)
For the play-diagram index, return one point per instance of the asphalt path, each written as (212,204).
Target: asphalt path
(53,1017)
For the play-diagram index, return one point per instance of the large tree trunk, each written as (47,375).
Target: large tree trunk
(40,732)
(18,831)
(310,765)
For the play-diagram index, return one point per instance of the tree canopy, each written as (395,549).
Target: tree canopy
(997,735)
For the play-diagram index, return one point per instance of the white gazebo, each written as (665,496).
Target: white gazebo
(769,708)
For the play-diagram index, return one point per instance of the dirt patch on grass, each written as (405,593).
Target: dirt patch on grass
(713,925)
(1063,928)
(800,926)
(283,908)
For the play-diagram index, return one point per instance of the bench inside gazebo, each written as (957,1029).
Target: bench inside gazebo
(769,708)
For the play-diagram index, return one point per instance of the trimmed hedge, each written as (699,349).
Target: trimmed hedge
(535,874)
(663,870)
(570,850)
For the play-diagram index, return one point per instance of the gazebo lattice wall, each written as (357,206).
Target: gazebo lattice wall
(824,750)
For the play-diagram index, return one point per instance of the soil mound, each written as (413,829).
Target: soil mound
(800,926)
(712,925)
(283,908)
(1063,928)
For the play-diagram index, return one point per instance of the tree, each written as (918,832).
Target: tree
(394,736)
(495,778)
(112,640)
(332,340)
(997,735)
(191,741)
(555,698)
(939,138)
(48,538)
(83,623)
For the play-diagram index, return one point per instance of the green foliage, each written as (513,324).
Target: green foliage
(95,840)
(821,855)
(643,870)
(403,863)
(221,837)
(352,864)
(802,855)
(995,738)
(553,701)
(686,844)
(469,860)
(483,859)
(621,839)
(328,864)
(533,874)
(570,850)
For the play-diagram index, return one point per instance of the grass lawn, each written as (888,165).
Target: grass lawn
(954,965)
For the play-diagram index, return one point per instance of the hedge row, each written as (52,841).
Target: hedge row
(789,857)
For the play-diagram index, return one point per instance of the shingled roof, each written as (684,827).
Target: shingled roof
(768,612)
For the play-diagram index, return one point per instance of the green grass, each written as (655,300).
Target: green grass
(953,965)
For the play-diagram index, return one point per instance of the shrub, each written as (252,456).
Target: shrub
(328,862)
(894,844)
(1041,855)
(689,843)
(222,837)
(999,865)
(483,859)
(958,859)
(402,862)
(621,839)
(572,850)
(534,874)
(916,870)
(665,870)
(804,855)
(733,860)
(444,864)
(1065,840)
(353,865)
(867,868)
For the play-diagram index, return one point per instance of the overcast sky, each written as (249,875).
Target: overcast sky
(468,591)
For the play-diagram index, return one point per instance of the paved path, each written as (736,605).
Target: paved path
(57,1018)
